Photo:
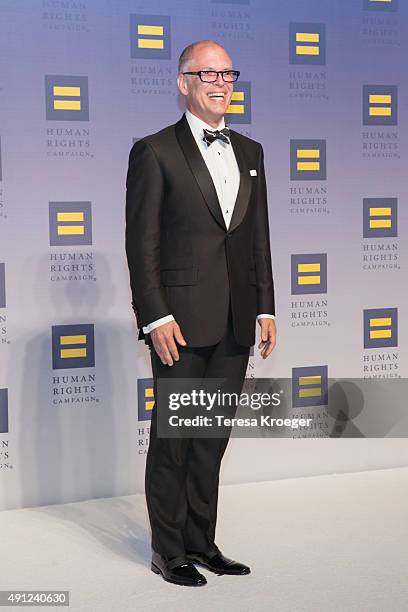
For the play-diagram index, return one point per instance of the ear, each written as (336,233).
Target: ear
(182,84)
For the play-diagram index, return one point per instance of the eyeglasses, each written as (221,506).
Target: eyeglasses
(210,76)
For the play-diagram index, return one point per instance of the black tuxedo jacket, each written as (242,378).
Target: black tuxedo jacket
(182,258)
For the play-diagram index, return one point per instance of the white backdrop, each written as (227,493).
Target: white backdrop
(78,429)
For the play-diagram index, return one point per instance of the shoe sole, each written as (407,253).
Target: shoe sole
(218,572)
(157,570)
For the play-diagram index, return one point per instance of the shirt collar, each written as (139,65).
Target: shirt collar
(197,125)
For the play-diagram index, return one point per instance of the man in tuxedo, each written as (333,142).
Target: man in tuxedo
(197,244)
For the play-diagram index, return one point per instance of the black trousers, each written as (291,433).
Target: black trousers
(182,474)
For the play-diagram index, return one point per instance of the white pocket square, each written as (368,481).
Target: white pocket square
(253,173)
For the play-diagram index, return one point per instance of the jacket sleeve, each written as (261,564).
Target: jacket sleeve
(261,247)
(144,200)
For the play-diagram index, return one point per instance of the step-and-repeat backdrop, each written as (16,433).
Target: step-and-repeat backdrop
(321,87)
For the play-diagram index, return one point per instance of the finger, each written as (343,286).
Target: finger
(164,354)
(268,349)
(172,348)
(166,358)
(267,332)
(179,336)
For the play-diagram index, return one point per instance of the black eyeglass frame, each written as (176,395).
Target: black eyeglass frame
(221,72)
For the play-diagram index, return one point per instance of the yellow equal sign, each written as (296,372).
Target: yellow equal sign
(380,111)
(308,154)
(381,322)
(149,398)
(70,230)
(307,37)
(150,43)
(380,212)
(309,279)
(237,96)
(59,90)
(72,352)
(311,386)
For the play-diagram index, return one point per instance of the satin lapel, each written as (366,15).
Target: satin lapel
(199,169)
(245,185)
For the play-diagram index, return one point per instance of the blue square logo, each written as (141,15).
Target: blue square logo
(145,398)
(2,285)
(66,98)
(239,109)
(310,386)
(150,37)
(309,273)
(380,218)
(380,105)
(4,421)
(73,346)
(390,6)
(308,160)
(307,44)
(70,223)
(380,327)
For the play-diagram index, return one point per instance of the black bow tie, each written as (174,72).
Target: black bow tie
(210,136)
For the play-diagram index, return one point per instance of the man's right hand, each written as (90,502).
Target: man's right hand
(164,338)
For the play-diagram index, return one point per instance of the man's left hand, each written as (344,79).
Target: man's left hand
(268,336)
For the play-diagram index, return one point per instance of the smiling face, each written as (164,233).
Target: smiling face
(208,101)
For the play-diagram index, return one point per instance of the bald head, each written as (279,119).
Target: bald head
(187,55)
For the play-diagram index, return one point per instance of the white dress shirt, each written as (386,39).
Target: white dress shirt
(223,168)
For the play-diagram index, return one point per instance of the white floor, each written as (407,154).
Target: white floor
(317,544)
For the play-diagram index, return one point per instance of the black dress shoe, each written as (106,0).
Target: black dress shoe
(218,563)
(178,570)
